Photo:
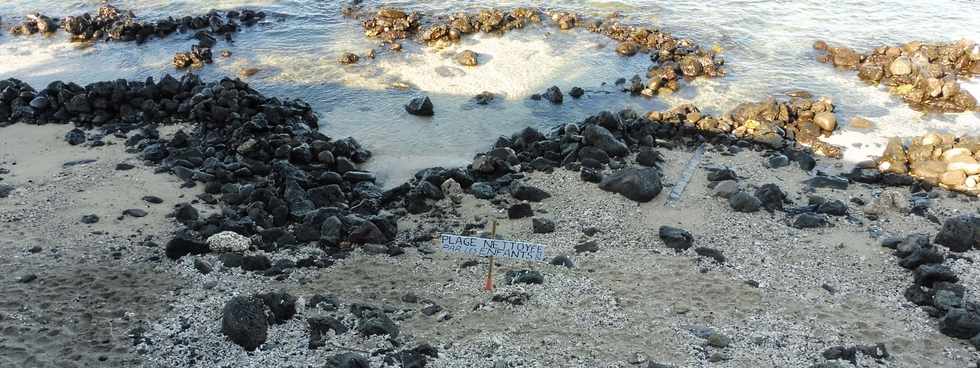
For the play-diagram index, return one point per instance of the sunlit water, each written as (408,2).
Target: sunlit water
(766,46)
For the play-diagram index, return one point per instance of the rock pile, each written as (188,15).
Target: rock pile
(936,158)
(112,24)
(924,75)
(773,123)
(277,178)
(673,59)
(935,286)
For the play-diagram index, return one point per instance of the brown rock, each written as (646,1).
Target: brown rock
(826,121)
(820,45)
(902,65)
(467,58)
(691,66)
(845,57)
(348,58)
(248,72)
(953,178)
(894,159)
(628,48)
(861,123)
(929,170)
(871,72)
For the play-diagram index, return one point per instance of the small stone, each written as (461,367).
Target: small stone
(590,246)
(745,202)
(524,277)
(467,58)
(719,340)
(725,189)
(348,58)
(826,121)
(520,210)
(562,260)
(420,106)
(676,238)
(134,212)
(542,225)
(90,219)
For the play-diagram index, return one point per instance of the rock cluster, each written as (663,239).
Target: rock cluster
(935,286)
(924,75)
(276,177)
(773,123)
(112,24)
(936,158)
(673,58)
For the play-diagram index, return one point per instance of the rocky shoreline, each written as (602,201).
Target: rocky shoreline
(287,250)
(925,75)
(117,25)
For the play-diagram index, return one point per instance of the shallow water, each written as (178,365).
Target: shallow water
(766,46)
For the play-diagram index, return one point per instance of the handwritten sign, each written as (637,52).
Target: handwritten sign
(492,248)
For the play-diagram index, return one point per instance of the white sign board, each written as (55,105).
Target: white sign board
(492,248)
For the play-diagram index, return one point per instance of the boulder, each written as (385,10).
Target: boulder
(467,58)
(637,184)
(420,106)
(245,321)
(676,238)
(960,233)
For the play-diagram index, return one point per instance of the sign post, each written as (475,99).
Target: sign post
(491,248)
(488,285)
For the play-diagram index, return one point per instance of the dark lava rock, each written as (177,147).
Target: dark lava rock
(484,98)
(960,233)
(712,253)
(744,202)
(603,139)
(576,92)
(245,321)
(122,166)
(542,225)
(152,199)
(554,95)
(676,238)
(406,359)
(520,210)
(75,137)
(722,174)
(590,246)
(591,175)
(526,192)
(524,277)
(483,190)
(185,213)
(348,360)
(562,260)
(134,212)
(832,182)
(637,184)
(376,323)
(809,220)
(202,266)
(256,263)
(833,208)
(27,278)
(185,242)
(771,196)
(960,323)
(420,106)
(319,326)
(916,295)
(5,190)
(90,219)
(928,274)
(649,157)
(776,161)
(281,304)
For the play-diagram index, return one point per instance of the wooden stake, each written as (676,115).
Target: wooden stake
(488,285)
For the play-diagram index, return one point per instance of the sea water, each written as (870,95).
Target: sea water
(766,46)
